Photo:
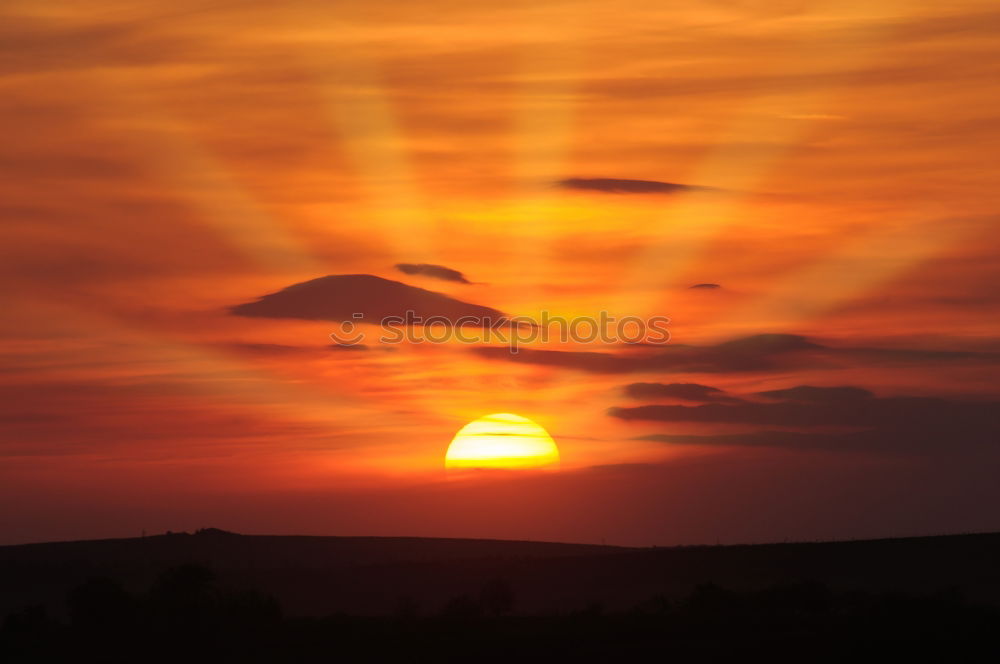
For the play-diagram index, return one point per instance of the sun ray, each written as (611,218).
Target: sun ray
(732,173)
(695,217)
(848,272)
(365,122)
(195,175)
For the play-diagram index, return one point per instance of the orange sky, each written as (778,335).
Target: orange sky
(164,161)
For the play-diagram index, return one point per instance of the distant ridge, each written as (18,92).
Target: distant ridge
(225,549)
(320,575)
(211,531)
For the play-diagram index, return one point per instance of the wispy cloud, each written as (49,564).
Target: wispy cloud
(762,352)
(681,391)
(433,271)
(858,419)
(624,186)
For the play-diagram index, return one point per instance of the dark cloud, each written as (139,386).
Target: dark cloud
(791,439)
(265,349)
(813,394)
(762,352)
(872,412)
(917,441)
(683,391)
(876,423)
(620,186)
(433,271)
(268,349)
(895,411)
(584,361)
(705,287)
(364,298)
(757,353)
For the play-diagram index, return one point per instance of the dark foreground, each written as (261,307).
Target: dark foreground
(761,605)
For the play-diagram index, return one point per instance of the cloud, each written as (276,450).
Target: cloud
(620,186)
(762,352)
(757,353)
(902,412)
(364,298)
(433,271)
(705,286)
(268,349)
(683,391)
(790,439)
(886,423)
(914,441)
(812,394)
(276,350)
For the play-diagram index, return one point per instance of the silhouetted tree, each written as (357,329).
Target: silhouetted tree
(182,602)
(184,586)
(797,598)
(30,635)
(496,597)
(709,599)
(248,610)
(655,605)
(100,604)
(462,607)
(407,608)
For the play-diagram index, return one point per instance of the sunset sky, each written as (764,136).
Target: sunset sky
(831,166)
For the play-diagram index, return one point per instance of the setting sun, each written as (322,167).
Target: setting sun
(502,440)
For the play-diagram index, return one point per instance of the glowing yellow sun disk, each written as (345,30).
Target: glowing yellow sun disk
(502,440)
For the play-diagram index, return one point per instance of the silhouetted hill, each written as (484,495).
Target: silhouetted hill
(218,597)
(216,547)
(365,575)
(310,575)
(372,575)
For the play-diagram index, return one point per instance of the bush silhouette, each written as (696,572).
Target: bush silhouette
(100,604)
(188,615)
(496,597)
(183,604)
(462,607)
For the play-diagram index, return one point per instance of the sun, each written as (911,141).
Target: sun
(502,440)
